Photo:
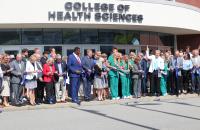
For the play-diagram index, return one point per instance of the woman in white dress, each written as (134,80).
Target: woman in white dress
(31,78)
(5,67)
(98,76)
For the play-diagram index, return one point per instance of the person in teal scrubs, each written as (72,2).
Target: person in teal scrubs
(113,74)
(163,79)
(125,77)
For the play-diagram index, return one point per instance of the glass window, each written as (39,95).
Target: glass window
(85,51)
(32,36)
(153,38)
(9,37)
(112,37)
(105,37)
(57,48)
(106,49)
(144,38)
(120,37)
(71,36)
(166,39)
(69,51)
(52,36)
(12,52)
(89,36)
(133,37)
(123,51)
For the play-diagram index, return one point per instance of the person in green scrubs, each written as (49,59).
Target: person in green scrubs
(163,79)
(125,77)
(113,74)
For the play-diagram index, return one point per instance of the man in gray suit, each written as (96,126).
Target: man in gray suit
(177,65)
(18,69)
(196,71)
(88,66)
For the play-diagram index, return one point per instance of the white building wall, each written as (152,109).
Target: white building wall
(167,18)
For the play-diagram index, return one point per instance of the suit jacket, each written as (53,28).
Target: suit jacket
(88,64)
(64,69)
(17,73)
(39,67)
(136,74)
(153,58)
(73,65)
(46,69)
(144,65)
(196,60)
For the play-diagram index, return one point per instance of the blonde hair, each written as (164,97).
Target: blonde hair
(33,58)
(50,60)
(4,57)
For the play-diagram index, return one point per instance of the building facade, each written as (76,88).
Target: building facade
(130,25)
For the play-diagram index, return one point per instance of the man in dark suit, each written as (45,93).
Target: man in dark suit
(61,70)
(39,91)
(88,66)
(18,69)
(144,65)
(75,70)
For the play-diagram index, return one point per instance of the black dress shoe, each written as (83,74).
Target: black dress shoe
(87,99)
(17,104)
(77,102)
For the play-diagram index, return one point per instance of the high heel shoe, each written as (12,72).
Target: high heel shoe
(6,105)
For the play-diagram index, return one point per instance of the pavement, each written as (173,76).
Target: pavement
(164,113)
(94,102)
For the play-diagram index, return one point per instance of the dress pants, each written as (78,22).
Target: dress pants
(144,85)
(137,87)
(60,85)
(50,92)
(186,81)
(114,86)
(155,83)
(39,92)
(171,82)
(179,84)
(16,93)
(196,83)
(87,87)
(74,88)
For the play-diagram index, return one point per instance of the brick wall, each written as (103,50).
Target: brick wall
(191,2)
(188,40)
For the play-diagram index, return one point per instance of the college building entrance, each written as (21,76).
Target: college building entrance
(12,41)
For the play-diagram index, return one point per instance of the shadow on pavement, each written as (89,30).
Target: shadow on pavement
(114,118)
(138,106)
(181,103)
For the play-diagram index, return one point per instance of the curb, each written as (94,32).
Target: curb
(97,103)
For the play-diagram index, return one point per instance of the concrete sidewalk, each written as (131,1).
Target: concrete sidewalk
(94,102)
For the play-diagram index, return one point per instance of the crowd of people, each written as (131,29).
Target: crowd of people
(51,78)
